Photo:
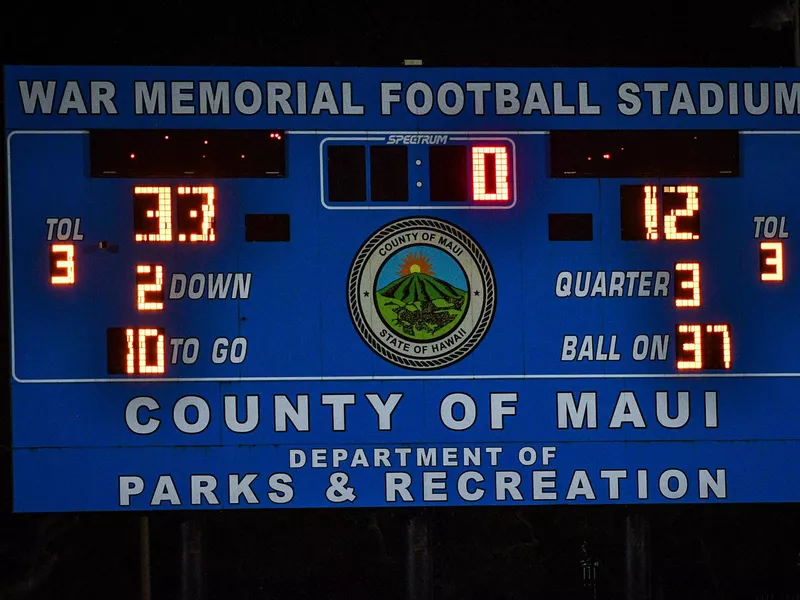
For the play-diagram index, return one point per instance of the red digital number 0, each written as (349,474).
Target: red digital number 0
(490,170)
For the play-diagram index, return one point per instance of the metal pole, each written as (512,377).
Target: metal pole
(637,557)
(144,557)
(192,567)
(418,560)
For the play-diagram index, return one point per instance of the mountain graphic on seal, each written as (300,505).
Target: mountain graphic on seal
(420,306)
(419,287)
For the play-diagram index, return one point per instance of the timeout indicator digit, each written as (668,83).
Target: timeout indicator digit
(62,264)
(771,261)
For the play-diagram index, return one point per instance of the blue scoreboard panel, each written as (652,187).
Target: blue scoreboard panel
(286,287)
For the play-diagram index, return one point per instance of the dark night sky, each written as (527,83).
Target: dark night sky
(316,32)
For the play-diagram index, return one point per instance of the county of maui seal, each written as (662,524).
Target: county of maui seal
(421,293)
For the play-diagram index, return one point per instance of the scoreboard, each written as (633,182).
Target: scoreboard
(321,287)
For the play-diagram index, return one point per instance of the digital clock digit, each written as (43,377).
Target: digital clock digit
(488,169)
(490,173)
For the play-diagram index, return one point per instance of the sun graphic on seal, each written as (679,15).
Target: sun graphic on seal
(415,263)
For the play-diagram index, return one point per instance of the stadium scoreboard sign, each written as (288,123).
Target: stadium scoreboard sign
(288,287)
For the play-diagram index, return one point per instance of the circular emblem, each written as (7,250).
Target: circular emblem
(421,293)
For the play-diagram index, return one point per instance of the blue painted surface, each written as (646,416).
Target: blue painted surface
(73,439)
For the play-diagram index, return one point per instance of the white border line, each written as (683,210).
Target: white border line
(408,206)
(419,377)
(466,377)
